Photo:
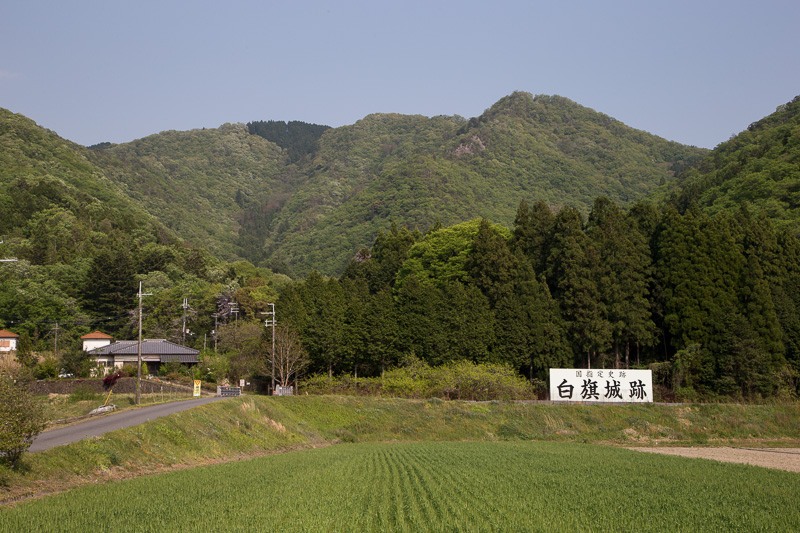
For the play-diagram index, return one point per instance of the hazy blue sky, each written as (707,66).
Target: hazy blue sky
(691,71)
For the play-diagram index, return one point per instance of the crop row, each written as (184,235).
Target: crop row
(470,486)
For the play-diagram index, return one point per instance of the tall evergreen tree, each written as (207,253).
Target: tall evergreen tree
(324,332)
(111,284)
(529,330)
(381,331)
(490,264)
(621,276)
(419,311)
(573,262)
(787,300)
(533,227)
(468,324)
(356,296)
(379,266)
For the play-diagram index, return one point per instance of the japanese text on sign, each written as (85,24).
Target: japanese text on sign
(582,385)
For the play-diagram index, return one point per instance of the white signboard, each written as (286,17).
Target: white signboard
(582,385)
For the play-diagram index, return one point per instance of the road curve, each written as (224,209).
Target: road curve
(97,426)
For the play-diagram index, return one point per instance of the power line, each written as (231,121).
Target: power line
(19,320)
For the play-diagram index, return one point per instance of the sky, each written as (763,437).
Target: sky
(696,72)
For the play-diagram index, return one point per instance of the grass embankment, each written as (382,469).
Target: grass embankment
(252,426)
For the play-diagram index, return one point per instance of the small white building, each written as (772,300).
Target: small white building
(8,341)
(96,339)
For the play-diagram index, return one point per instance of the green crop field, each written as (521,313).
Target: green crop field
(433,486)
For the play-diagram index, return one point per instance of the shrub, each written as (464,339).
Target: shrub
(76,362)
(214,367)
(172,368)
(129,371)
(47,369)
(111,379)
(461,380)
(21,419)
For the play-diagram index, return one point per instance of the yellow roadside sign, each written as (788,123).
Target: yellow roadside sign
(197,387)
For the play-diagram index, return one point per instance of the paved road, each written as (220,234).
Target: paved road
(97,426)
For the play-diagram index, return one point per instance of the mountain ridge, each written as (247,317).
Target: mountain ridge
(242,196)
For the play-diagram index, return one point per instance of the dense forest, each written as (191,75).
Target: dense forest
(211,187)
(296,197)
(297,138)
(758,166)
(384,230)
(711,300)
(415,170)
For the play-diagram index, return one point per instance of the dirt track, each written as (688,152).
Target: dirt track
(780,458)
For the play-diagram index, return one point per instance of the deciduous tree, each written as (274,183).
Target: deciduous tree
(21,419)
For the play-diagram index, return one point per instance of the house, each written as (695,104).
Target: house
(155,352)
(96,339)
(8,341)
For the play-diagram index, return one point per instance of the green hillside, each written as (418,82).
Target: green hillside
(82,246)
(416,170)
(760,166)
(210,186)
(297,196)
(56,203)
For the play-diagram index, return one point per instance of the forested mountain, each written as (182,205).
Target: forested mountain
(213,187)
(297,196)
(55,203)
(760,166)
(415,170)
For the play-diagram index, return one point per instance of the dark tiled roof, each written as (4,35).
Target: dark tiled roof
(180,358)
(159,347)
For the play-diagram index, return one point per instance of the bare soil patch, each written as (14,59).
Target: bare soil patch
(780,458)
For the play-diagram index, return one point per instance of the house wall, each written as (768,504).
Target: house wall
(111,362)
(91,344)
(8,345)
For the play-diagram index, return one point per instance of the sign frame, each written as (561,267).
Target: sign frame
(601,385)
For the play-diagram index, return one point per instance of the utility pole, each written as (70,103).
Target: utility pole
(267,323)
(183,327)
(139,348)
(234,307)
(216,328)
(55,347)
